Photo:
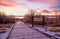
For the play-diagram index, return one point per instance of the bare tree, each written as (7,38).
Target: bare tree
(30,15)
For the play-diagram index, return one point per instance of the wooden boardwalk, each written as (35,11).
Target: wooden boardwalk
(24,32)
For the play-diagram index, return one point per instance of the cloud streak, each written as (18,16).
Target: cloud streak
(9,3)
(51,3)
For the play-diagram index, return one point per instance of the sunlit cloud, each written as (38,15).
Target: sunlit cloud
(9,3)
(20,7)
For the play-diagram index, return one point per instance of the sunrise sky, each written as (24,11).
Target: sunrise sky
(20,7)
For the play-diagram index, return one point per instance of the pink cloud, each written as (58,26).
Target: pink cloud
(9,3)
(51,2)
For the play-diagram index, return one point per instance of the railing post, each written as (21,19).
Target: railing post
(43,21)
(32,21)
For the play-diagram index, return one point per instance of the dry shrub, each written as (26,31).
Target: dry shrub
(2,30)
(58,35)
(54,29)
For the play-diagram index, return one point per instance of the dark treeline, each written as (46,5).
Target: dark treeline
(6,19)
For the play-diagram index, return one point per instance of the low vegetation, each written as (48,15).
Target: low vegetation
(55,29)
(3,27)
(2,30)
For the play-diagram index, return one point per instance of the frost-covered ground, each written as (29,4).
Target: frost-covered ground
(6,34)
(46,31)
(41,29)
(21,23)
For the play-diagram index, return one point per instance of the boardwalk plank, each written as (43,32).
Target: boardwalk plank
(24,32)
